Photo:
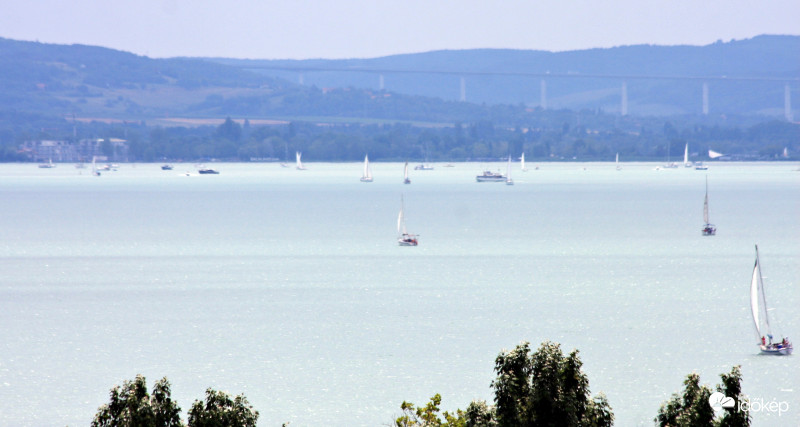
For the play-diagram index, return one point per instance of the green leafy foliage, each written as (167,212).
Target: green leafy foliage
(130,405)
(692,408)
(219,409)
(544,388)
(428,415)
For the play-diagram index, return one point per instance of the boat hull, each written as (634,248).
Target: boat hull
(407,243)
(774,351)
(481,178)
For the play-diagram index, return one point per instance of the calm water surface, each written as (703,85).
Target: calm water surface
(288,285)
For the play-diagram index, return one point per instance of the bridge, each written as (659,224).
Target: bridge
(624,78)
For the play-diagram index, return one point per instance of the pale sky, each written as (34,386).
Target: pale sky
(302,29)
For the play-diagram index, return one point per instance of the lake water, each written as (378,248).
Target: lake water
(288,286)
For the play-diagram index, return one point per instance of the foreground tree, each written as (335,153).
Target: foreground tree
(220,410)
(546,388)
(693,407)
(428,415)
(131,405)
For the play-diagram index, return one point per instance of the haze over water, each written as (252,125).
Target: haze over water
(288,286)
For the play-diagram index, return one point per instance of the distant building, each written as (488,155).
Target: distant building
(107,149)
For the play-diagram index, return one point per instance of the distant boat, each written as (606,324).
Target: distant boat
(404,238)
(619,168)
(299,166)
(47,165)
(522,162)
(708,229)
(686,162)
(203,170)
(367,175)
(406,180)
(700,166)
(423,167)
(489,176)
(670,164)
(95,172)
(284,163)
(509,181)
(166,167)
(758,307)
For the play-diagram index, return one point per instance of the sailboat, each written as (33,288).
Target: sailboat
(619,168)
(708,229)
(403,238)
(48,165)
(367,175)
(669,164)
(522,162)
(299,166)
(95,172)
(758,307)
(405,175)
(509,181)
(284,163)
(686,162)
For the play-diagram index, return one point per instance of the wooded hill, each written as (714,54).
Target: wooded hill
(70,92)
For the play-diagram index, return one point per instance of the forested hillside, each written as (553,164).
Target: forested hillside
(174,108)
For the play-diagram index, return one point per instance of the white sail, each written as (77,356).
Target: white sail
(758,302)
(509,181)
(616,161)
(754,306)
(367,174)
(705,204)
(713,154)
(299,163)
(401,222)
(405,173)
(522,162)
(686,156)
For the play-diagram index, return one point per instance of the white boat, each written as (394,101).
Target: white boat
(619,168)
(522,162)
(708,229)
(299,166)
(686,162)
(403,237)
(423,167)
(406,180)
(489,176)
(48,165)
(509,181)
(700,166)
(758,307)
(367,175)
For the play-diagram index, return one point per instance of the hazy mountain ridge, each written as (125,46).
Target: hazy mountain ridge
(91,81)
(767,56)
